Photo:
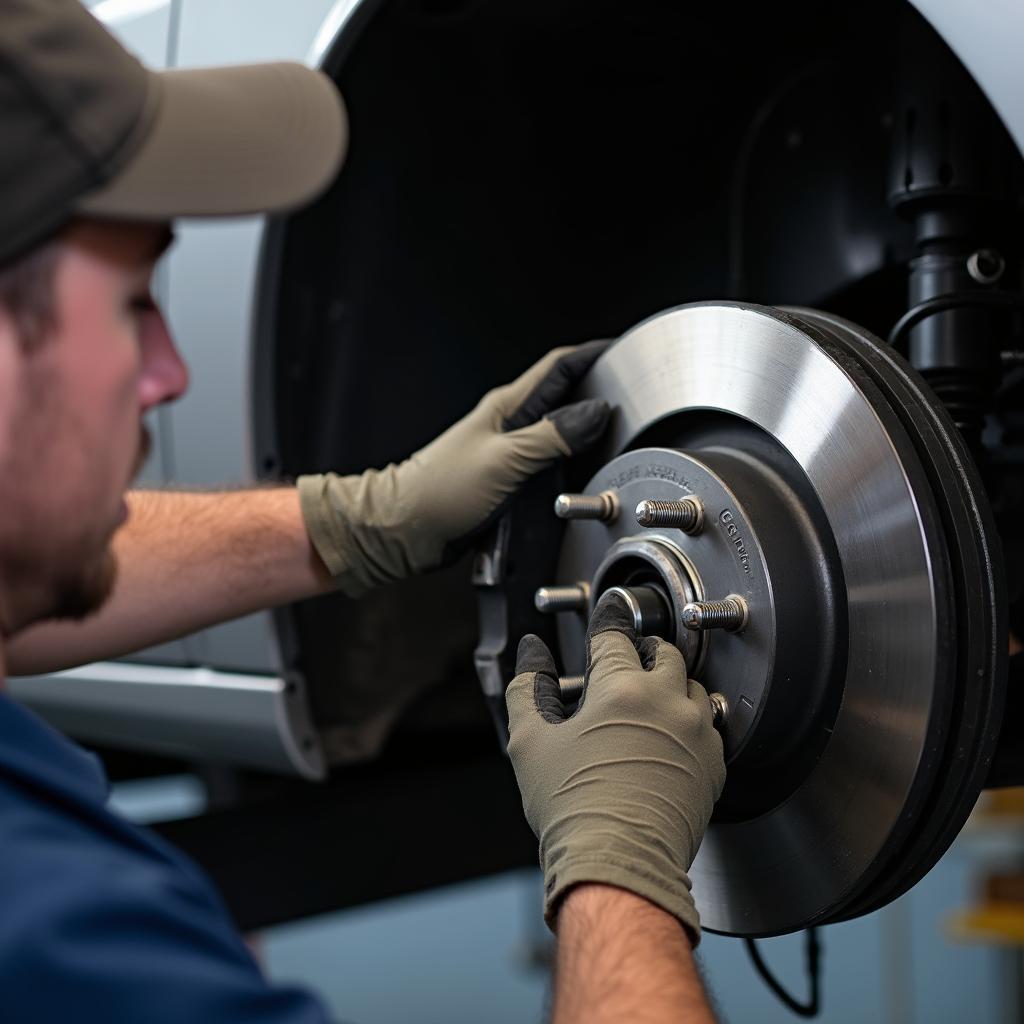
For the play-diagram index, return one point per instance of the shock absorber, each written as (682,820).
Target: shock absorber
(955,175)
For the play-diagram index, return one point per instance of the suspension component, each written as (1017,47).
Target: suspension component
(954,175)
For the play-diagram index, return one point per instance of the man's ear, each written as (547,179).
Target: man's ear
(11,373)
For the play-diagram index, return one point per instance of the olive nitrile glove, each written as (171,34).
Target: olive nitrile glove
(383,525)
(621,791)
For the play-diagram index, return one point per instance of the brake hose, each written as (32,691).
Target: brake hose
(813,953)
(952,300)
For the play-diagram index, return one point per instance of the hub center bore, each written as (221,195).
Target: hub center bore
(637,563)
(649,605)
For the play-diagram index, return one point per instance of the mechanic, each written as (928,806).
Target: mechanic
(102,920)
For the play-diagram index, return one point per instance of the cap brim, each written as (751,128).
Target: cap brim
(233,140)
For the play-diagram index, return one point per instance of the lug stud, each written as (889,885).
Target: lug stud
(687,514)
(730,614)
(603,507)
(562,599)
(719,709)
(571,687)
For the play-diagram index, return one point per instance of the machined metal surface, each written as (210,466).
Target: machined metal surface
(727,559)
(975,652)
(571,688)
(686,514)
(730,614)
(986,266)
(797,862)
(719,709)
(551,600)
(634,560)
(650,607)
(603,507)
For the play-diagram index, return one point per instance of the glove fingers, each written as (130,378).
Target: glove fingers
(520,455)
(696,692)
(667,660)
(611,640)
(582,423)
(647,648)
(547,393)
(536,683)
(612,612)
(534,447)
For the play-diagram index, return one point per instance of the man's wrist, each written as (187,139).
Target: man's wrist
(328,503)
(655,880)
(589,901)
(622,957)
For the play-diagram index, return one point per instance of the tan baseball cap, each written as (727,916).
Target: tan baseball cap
(86,129)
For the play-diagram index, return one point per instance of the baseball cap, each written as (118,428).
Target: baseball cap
(87,129)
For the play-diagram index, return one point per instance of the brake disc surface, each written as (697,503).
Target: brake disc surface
(845,686)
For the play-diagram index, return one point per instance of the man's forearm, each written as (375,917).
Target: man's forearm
(186,561)
(622,958)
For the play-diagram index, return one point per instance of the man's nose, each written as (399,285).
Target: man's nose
(164,375)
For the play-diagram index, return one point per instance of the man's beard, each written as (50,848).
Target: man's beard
(79,595)
(87,588)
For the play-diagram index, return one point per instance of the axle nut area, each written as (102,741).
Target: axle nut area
(649,605)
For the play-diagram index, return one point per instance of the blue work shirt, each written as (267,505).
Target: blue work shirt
(103,921)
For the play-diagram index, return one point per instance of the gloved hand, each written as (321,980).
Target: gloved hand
(622,791)
(386,524)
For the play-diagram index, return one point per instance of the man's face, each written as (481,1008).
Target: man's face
(71,434)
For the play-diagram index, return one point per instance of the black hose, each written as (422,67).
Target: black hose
(954,300)
(813,951)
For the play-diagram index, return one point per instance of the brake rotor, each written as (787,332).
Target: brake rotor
(864,688)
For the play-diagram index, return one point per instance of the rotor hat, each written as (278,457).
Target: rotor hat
(90,130)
